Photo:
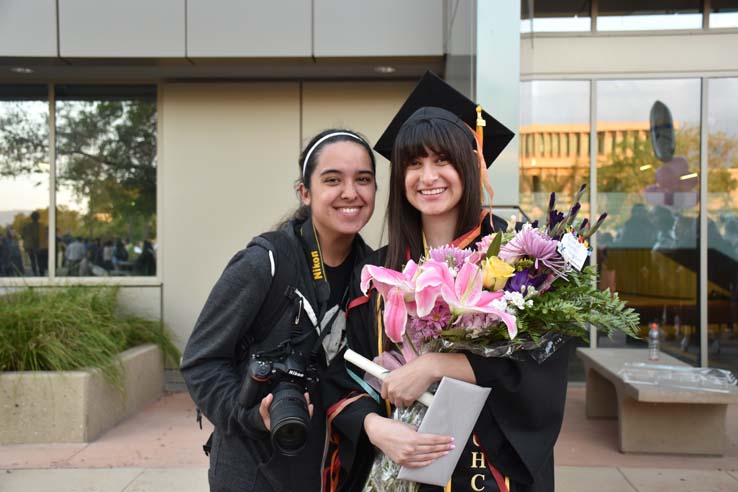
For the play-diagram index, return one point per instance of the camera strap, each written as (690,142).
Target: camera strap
(311,246)
(314,256)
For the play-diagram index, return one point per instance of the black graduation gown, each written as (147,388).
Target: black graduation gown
(516,430)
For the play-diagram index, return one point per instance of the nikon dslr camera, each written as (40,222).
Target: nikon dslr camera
(287,375)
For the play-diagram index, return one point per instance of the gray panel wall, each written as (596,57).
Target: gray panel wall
(130,28)
(221,28)
(460,46)
(28,28)
(378,28)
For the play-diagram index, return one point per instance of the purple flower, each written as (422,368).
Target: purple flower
(536,245)
(551,201)
(451,255)
(430,326)
(524,279)
(554,217)
(528,242)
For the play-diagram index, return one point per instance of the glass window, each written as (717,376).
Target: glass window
(555,126)
(554,118)
(723,13)
(24,181)
(722,227)
(648,15)
(555,15)
(106,180)
(648,247)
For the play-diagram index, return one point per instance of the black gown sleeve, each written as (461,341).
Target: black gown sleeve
(347,402)
(209,364)
(522,418)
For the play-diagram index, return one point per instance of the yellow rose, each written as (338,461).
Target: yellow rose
(496,272)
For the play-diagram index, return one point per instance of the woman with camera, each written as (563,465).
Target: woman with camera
(271,326)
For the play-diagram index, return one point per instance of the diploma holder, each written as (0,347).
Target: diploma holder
(453,411)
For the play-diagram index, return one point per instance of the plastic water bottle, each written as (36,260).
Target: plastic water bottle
(653,341)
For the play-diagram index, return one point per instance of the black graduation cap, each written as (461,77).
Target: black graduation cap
(433,97)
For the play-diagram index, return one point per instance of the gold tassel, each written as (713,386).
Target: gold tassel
(483,174)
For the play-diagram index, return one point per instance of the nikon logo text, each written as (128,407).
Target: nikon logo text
(317,271)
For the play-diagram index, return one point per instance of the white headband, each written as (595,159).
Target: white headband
(321,140)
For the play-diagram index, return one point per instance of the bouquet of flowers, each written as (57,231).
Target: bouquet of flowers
(524,290)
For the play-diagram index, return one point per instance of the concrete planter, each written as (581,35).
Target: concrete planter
(76,406)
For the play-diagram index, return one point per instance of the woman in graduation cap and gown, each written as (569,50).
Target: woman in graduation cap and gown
(435,194)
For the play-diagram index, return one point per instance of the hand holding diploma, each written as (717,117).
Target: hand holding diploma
(379,372)
(441,418)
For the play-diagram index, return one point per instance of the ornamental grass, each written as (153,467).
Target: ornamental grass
(73,328)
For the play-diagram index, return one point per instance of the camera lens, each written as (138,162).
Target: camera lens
(289,419)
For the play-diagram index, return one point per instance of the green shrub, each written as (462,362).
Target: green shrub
(67,328)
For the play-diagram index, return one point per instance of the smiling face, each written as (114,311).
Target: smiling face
(342,190)
(433,186)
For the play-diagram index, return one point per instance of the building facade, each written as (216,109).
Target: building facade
(165,135)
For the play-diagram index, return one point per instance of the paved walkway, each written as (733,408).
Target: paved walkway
(159,450)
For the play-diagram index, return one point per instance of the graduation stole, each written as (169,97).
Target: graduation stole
(462,242)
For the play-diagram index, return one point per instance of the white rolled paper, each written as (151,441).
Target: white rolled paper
(378,371)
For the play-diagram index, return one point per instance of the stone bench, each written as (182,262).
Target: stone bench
(652,418)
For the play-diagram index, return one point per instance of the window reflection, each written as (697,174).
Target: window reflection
(723,13)
(106,181)
(554,143)
(648,247)
(651,15)
(722,228)
(555,15)
(24,181)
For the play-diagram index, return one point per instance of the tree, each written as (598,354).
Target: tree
(626,169)
(106,154)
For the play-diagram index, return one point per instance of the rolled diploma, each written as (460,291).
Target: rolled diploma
(378,372)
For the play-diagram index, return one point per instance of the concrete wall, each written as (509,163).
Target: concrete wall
(366,107)
(228,160)
(228,157)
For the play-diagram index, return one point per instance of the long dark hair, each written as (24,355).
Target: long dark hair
(314,149)
(403,220)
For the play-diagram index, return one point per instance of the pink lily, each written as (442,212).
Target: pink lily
(466,295)
(398,291)
(428,284)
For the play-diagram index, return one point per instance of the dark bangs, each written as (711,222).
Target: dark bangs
(403,220)
(437,135)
